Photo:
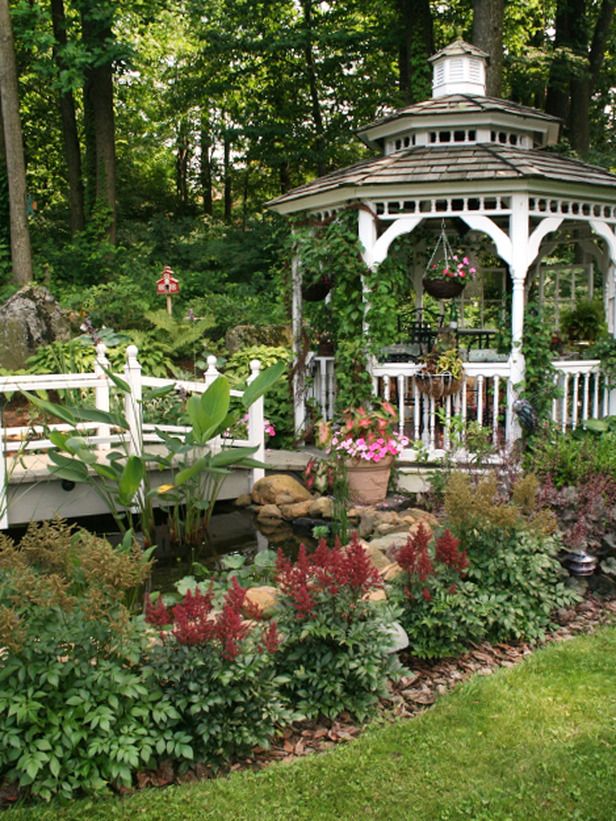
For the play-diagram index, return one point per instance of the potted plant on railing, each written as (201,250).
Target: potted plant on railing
(442,373)
(368,440)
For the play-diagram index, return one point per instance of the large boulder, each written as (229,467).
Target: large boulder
(30,318)
(279,489)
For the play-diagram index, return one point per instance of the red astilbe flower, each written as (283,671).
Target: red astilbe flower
(230,630)
(446,552)
(425,592)
(157,614)
(193,621)
(235,594)
(414,556)
(294,581)
(360,574)
(327,570)
(271,638)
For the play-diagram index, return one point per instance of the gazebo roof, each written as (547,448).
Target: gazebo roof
(458,104)
(450,164)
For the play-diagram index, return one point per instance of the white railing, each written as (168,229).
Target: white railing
(480,396)
(321,388)
(484,396)
(585,393)
(18,440)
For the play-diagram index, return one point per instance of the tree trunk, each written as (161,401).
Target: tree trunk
(205,167)
(415,45)
(315,103)
(228,202)
(583,85)
(21,254)
(98,108)
(570,17)
(487,34)
(182,160)
(70,138)
(284,176)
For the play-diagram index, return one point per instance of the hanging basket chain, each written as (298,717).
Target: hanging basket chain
(445,247)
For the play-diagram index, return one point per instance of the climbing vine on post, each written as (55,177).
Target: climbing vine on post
(539,386)
(358,328)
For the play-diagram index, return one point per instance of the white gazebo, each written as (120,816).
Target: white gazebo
(488,163)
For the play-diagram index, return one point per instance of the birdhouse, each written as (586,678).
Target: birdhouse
(167,284)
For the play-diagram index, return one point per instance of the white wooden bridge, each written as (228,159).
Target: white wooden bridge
(28,491)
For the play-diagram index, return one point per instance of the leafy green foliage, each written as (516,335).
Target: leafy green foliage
(571,458)
(278,402)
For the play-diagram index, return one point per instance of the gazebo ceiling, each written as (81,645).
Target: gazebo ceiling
(414,169)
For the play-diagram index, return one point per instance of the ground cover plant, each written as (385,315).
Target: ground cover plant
(533,743)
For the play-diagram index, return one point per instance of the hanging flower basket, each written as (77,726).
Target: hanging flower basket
(437,385)
(317,291)
(446,273)
(443,288)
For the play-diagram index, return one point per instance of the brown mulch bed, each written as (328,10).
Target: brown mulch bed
(411,695)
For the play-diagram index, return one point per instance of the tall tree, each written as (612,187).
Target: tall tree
(582,33)
(99,115)
(21,253)
(70,136)
(415,44)
(488,18)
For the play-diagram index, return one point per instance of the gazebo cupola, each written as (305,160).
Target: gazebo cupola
(460,68)
(461,156)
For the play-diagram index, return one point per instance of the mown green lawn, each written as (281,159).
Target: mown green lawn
(533,742)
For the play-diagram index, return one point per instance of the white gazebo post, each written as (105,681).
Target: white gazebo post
(607,233)
(299,375)
(366,233)
(518,233)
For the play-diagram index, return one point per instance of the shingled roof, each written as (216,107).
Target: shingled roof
(454,164)
(461,104)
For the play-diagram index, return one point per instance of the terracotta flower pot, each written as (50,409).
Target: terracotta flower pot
(368,480)
(443,288)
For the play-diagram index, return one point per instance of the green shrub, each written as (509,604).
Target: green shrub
(219,674)
(334,654)
(571,458)
(497,579)
(516,581)
(77,711)
(122,303)
(434,611)
(513,575)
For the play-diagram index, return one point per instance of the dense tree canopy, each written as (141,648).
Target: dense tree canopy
(201,111)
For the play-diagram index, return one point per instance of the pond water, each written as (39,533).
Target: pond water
(231,530)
